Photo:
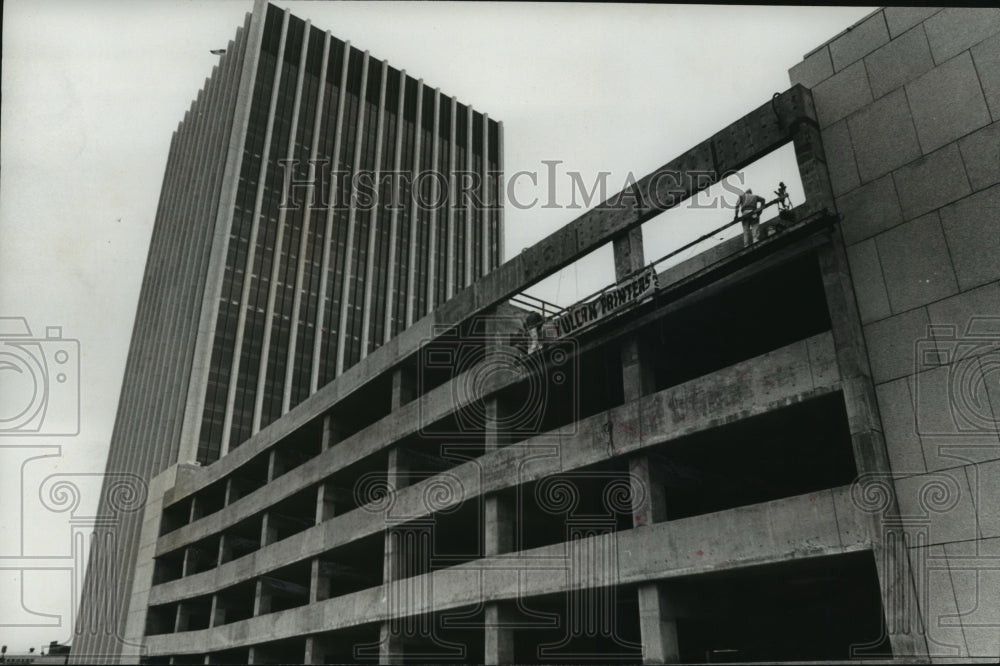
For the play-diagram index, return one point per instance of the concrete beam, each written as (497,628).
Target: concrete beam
(785,376)
(818,524)
(782,374)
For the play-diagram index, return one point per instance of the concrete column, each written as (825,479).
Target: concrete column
(498,510)
(649,501)
(390,639)
(397,478)
(333,432)
(326,502)
(261,599)
(225,549)
(275,465)
(498,527)
(657,626)
(268,532)
(196,509)
(315,650)
(390,645)
(188,563)
(232,491)
(404,386)
(181,618)
(217,615)
(885,528)
(658,629)
(319,582)
(636,369)
(498,518)
(499,644)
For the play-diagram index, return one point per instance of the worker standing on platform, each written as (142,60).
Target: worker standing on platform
(749,207)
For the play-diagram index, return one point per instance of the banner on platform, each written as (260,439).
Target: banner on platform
(612,300)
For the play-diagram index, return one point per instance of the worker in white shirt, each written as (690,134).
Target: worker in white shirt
(749,207)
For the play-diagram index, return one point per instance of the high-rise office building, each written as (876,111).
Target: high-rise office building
(316,201)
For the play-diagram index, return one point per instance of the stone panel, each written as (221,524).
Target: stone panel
(842,94)
(987,59)
(915,263)
(947,103)
(931,182)
(987,496)
(975,572)
(943,399)
(891,344)
(814,68)
(840,162)
(901,19)
(901,440)
(955,29)
(936,595)
(859,41)
(898,62)
(940,502)
(870,209)
(981,155)
(972,229)
(869,286)
(883,136)
(961,308)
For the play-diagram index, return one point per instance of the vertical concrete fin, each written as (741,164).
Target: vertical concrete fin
(394,212)
(318,115)
(234,373)
(411,281)
(352,215)
(373,222)
(320,333)
(279,258)
(450,259)
(469,208)
(435,209)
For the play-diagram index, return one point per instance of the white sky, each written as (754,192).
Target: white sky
(92,91)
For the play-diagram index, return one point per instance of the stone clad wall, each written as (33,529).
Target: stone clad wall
(909,104)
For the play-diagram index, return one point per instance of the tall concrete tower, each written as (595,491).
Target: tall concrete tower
(316,201)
